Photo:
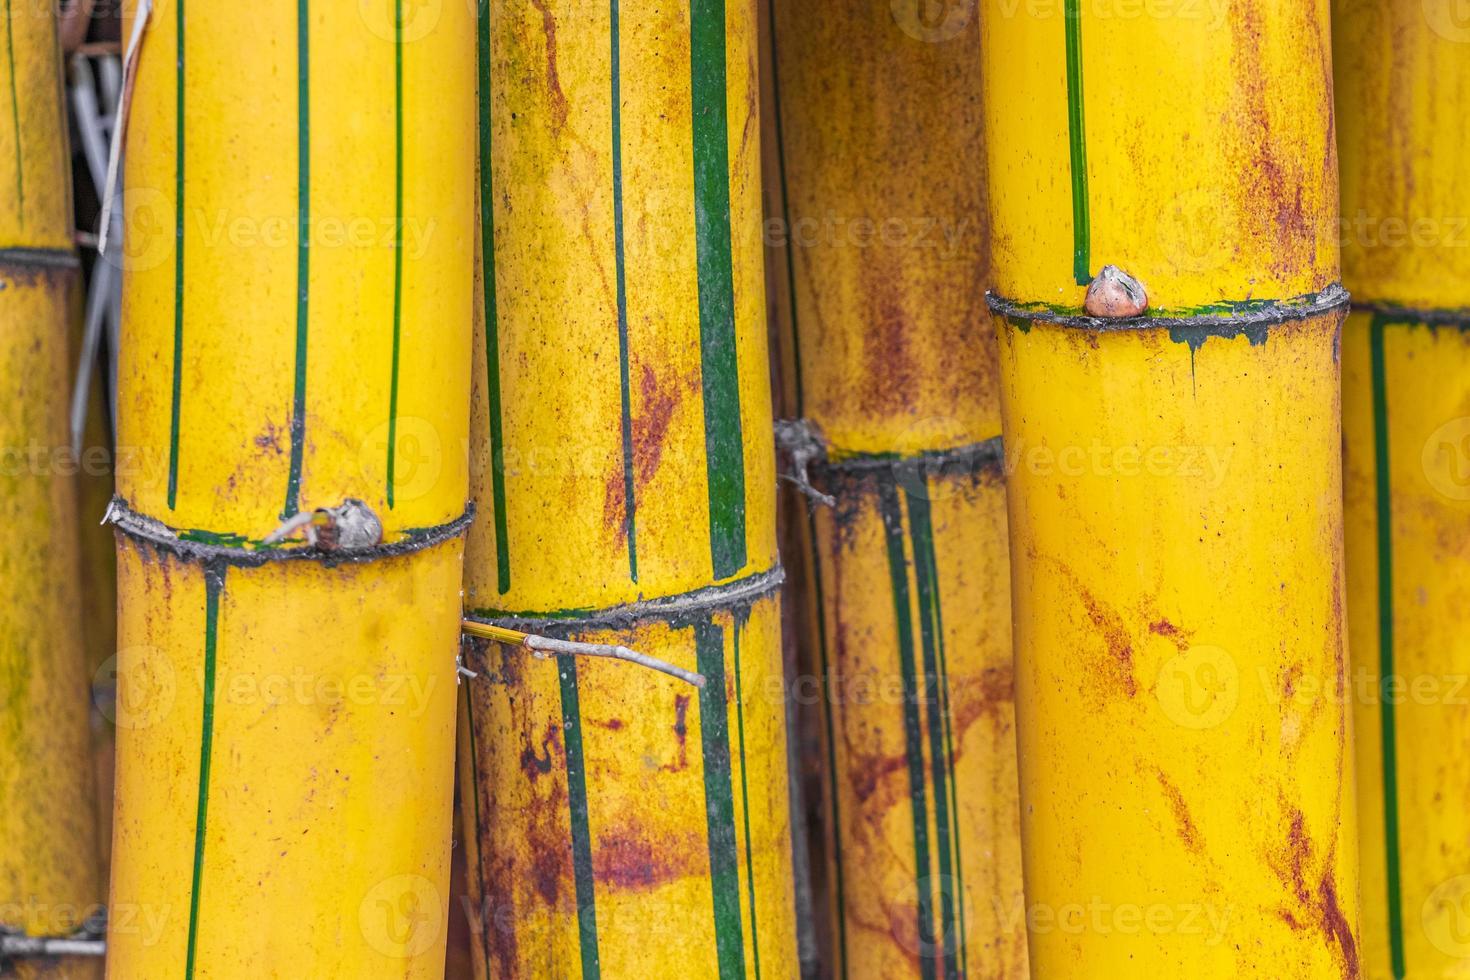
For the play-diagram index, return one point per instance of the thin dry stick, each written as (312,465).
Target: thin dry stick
(545,644)
(120,118)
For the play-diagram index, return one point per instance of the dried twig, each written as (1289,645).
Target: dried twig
(543,645)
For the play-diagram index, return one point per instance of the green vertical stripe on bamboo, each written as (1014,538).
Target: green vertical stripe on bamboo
(892,513)
(303,253)
(20,178)
(921,534)
(214,583)
(1385,643)
(819,599)
(492,326)
(1077,144)
(927,565)
(397,240)
(724,453)
(755,945)
(178,378)
(714,724)
(571,715)
(790,263)
(630,510)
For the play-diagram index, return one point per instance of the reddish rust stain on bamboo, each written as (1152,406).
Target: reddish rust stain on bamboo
(1185,827)
(1321,903)
(627,859)
(680,729)
(553,78)
(1114,632)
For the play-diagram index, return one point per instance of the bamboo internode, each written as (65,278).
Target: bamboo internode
(48,863)
(296,341)
(1174,488)
(890,360)
(626,822)
(1401,78)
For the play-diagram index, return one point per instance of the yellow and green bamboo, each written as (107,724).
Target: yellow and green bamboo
(1186,761)
(627,823)
(1401,78)
(889,349)
(48,865)
(299,191)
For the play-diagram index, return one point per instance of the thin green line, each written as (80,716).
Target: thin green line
(178,380)
(1077,138)
(913,740)
(1385,646)
(492,325)
(954,804)
(629,508)
(20,175)
(723,442)
(832,785)
(785,212)
(571,720)
(214,582)
(724,861)
(921,534)
(303,252)
(755,936)
(397,239)
(474,789)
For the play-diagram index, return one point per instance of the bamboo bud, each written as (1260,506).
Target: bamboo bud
(296,342)
(1174,489)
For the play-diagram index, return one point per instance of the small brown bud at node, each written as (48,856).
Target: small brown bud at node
(350,527)
(1114,294)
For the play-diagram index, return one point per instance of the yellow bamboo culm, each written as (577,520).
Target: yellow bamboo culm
(1401,76)
(891,361)
(1185,741)
(627,823)
(48,864)
(299,205)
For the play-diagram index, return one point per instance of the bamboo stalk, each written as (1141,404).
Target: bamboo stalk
(881,211)
(1174,489)
(1400,73)
(48,864)
(297,303)
(623,465)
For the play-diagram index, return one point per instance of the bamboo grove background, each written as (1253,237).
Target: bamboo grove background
(734,488)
